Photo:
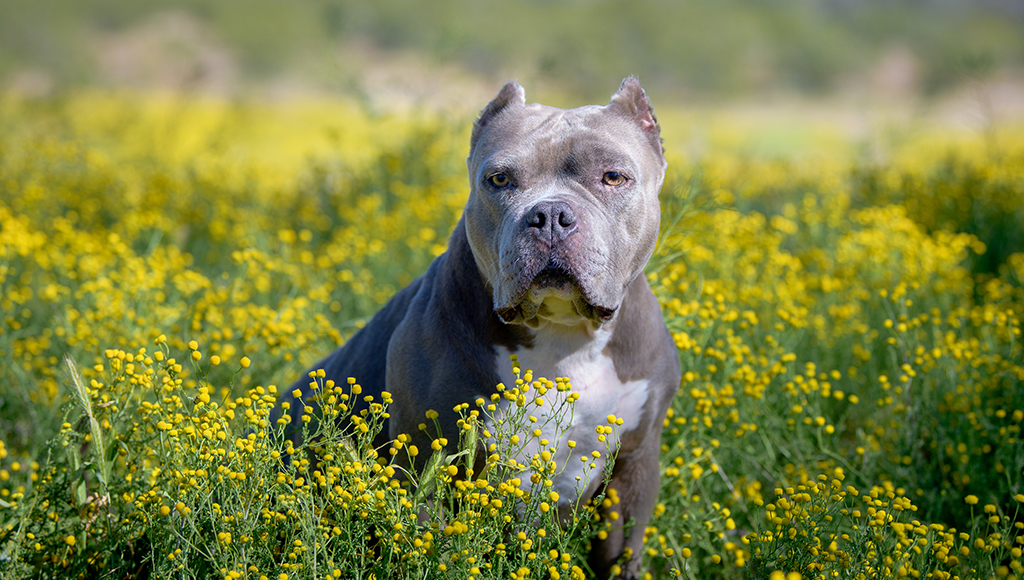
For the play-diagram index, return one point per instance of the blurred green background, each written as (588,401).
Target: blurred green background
(447,52)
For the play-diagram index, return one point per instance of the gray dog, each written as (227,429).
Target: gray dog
(547,264)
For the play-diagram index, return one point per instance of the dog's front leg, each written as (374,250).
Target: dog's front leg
(636,483)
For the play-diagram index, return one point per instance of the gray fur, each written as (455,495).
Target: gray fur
(555,246)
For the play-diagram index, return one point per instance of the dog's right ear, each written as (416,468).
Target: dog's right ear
(510,95)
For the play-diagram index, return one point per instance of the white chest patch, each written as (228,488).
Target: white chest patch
(561,352)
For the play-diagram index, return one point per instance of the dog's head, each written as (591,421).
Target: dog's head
(563,209)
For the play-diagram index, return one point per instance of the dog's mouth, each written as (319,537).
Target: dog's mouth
(555,295)
(554,278)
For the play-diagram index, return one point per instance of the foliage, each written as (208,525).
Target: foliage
(851,404)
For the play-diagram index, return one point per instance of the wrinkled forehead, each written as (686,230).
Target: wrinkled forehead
(548,136)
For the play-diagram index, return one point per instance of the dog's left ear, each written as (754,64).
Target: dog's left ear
(632,102)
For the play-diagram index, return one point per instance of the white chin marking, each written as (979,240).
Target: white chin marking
(558,308)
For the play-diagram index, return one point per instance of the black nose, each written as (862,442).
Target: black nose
(552,220)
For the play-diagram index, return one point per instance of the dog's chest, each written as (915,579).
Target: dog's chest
(591,373)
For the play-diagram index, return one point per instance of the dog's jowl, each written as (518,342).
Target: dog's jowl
(546,264)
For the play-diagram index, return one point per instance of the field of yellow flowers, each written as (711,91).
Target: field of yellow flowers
(850,332)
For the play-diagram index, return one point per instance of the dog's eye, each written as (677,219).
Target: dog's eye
(498,180)
(613,178)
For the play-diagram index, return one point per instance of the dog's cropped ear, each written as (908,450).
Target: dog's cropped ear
(510,95)
(632,102)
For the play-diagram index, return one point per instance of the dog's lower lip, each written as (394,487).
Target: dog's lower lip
(551,276)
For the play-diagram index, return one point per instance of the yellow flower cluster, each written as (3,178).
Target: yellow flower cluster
(196,471)
(831,335)
(828,528)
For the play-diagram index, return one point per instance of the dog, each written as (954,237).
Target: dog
(546,263)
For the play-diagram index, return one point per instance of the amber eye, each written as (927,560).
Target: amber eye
(498,180)
(614,178)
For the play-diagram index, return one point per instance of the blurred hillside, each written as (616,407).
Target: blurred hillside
(413,52)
